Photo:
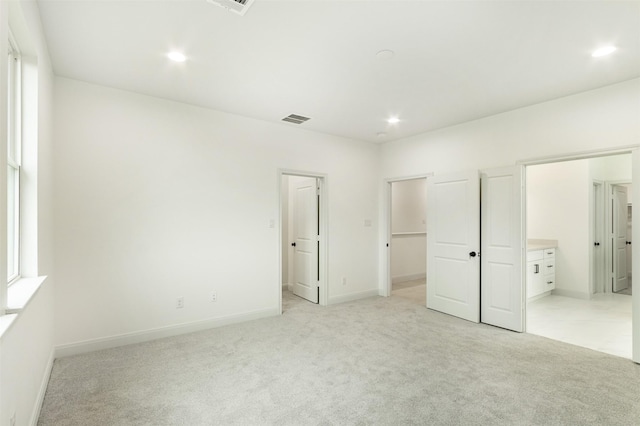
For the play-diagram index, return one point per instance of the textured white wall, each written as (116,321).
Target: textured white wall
(157,200)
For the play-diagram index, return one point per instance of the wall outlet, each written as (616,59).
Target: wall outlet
(180,303)
(344,280)
(214,297)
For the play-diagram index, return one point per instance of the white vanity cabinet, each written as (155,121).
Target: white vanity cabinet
(541,271)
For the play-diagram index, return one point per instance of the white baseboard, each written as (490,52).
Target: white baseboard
(571,293)
(352,296)
(405,278)
(35,414)
(159,333)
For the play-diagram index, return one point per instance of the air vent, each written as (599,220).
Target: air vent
(296,119)
(236,6)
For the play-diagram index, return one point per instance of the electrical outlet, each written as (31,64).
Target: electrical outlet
(344,280)
(214,296)
(180,303)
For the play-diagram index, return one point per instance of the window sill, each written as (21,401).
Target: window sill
(20,293)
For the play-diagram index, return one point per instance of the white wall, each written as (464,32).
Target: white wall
(408,217)
(558,203)
(26,349)
(157,200)
(611,168)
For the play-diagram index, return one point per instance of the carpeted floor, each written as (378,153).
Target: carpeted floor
(376,361)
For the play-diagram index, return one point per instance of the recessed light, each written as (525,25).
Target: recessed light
(603,51)
(393,120)
(385,54)
(176,56)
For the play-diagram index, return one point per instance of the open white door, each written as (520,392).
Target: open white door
(502,294)
(453,240)
(305,213)
(619,224)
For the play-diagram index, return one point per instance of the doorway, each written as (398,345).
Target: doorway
(303,250)
(620,234)
(408,250)
(577,211)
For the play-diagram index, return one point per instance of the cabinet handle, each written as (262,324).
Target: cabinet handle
(549,282)
(549,266)
(537,271)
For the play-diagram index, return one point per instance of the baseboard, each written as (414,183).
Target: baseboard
(35,414)
(159,333)
(405,278)
(352,296)
(571,293)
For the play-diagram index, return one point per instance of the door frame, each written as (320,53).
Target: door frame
(635,254)
(323,251)
(386,282)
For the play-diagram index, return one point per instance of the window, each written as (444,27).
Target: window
(14,121)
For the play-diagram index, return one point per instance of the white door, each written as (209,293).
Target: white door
(305,231)
(619,223)
(502,291)
(453,240)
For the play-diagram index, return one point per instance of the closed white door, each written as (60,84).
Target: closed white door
(453,241)
(619,223)
(306,231)
(503,273)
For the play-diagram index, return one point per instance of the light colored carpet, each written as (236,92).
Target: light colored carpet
(376,361)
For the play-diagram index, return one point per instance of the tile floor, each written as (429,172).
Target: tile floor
(602,323)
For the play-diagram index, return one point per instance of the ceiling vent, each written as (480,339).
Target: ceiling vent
(296,119)
(236,6)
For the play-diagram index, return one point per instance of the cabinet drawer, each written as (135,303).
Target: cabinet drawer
(549,267)
(535,255)
(549,253)
(549,284)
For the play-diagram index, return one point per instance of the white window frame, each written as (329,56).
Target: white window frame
(14,145)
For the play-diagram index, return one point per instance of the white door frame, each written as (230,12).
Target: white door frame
(635,254)
(324,234)
(387,284)
(609,247)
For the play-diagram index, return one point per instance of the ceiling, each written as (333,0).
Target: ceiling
(454,61)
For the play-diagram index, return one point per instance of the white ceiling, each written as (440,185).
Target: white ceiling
(454,61)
